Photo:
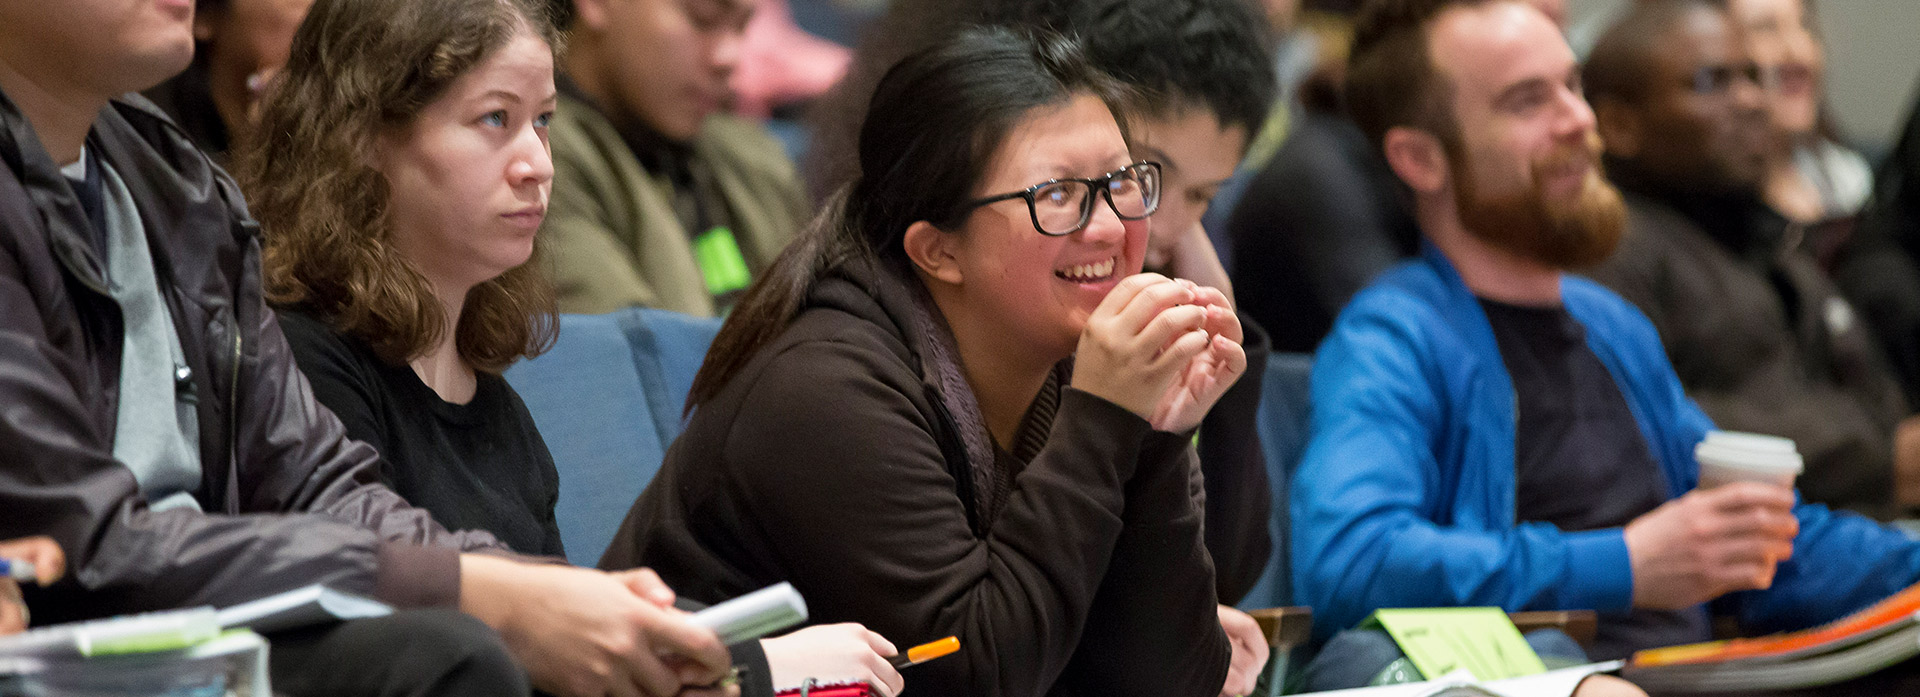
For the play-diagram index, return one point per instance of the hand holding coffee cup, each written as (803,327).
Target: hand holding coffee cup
(1728,535)
(1726,457)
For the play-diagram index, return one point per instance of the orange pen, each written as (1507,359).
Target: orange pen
(926,652)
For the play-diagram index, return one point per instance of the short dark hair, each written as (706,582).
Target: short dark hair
(1622,59)
(1176,54)
(1391,79)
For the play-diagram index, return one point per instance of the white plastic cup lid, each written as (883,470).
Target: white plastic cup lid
(1750,452)
(1752,441)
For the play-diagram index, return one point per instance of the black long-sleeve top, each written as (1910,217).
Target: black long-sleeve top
(480,465)
(827,461)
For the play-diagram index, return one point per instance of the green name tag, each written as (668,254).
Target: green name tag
(1442,640)
(721,262)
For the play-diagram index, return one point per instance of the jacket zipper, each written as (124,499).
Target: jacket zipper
(233,417)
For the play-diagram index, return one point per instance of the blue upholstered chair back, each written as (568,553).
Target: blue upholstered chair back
(607,401)
(1283,435)
(668,348)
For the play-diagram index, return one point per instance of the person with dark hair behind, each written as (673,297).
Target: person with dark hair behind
(1319,222)
(1758,334)
(1893,214)
(1202,77)
(661,199)
(238,46)
(1879,266)
(834,119)
(955,406)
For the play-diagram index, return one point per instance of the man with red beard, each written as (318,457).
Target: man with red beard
(1489,430)
(1757,332)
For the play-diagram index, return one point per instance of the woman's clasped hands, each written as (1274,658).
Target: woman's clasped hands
(1162,348)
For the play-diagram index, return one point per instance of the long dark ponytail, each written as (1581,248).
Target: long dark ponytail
(928,137)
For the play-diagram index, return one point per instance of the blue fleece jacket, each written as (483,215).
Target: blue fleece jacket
(1405,495)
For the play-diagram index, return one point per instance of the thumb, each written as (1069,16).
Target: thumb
(645,583)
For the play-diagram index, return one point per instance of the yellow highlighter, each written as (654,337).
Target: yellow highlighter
(926,652)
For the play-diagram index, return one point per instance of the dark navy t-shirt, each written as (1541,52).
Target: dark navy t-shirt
(1580,461)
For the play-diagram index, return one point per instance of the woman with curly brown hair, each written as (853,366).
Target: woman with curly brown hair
(399,208)
(400,174)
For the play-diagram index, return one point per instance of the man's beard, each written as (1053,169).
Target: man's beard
(1569,236)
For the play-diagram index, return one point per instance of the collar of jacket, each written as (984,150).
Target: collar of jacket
(51,195)
(204,251)
(180,193)
(1739,220)
(656,152)
(877,291)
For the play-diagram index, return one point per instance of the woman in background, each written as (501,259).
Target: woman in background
(1813,177)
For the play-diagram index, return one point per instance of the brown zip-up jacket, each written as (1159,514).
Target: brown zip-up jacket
(1760,337)
(288,500)
(832,462)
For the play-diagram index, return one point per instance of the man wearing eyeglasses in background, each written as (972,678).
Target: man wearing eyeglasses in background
(1759,335)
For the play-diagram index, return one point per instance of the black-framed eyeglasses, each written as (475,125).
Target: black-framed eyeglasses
(1063,206)
(1715,79)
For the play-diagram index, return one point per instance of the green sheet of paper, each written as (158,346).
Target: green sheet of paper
(1442,640)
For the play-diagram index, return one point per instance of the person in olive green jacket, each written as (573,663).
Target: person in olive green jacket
(659,200)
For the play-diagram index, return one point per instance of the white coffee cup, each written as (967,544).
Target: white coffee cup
(1732,456)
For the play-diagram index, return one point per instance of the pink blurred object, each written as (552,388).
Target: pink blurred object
(781,63)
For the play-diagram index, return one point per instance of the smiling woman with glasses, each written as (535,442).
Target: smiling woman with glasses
(935,422)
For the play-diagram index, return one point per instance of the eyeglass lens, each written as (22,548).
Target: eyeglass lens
(1713,79)
(1064,207)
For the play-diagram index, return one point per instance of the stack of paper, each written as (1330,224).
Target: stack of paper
(1859,644)
(193,652)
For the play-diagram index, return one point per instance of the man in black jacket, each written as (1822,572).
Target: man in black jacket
(154,424)
(1757,332)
